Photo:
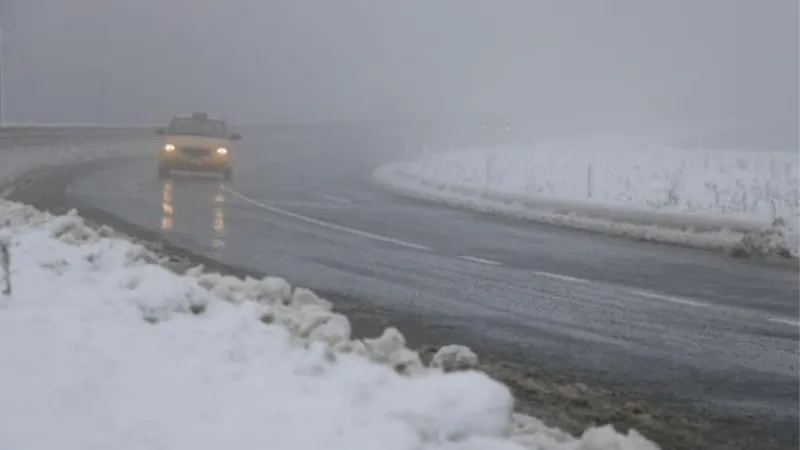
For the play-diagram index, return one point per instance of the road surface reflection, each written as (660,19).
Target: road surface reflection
(194,197)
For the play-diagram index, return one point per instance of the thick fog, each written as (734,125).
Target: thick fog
(619,62)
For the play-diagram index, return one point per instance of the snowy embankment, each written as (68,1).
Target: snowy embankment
(739,201)
(104,347)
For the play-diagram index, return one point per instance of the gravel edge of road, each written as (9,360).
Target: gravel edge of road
(557,400)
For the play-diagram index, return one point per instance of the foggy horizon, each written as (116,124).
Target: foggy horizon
(620,63)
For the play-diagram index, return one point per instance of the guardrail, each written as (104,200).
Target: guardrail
(55,130)
(34,135)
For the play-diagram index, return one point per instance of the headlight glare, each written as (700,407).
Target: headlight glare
(222,151)
(169,147)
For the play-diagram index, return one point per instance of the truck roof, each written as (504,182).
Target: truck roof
(198,116)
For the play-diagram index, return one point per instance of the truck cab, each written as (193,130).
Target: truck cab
(196,143)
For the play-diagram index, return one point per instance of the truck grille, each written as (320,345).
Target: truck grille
(196,152)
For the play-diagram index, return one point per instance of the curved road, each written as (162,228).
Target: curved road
(687,326)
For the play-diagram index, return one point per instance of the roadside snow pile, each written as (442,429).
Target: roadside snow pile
(646,187)
(104,348)
(393,177)
(778,239)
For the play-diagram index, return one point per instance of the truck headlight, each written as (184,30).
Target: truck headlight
(169,148)
(222,151)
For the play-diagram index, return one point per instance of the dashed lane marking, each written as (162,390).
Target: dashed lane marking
(475,259)
(669,298)
(784,321)
(562,277)
(647,294)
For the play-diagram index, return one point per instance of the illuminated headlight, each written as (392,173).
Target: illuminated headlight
(169,148)
(222,151)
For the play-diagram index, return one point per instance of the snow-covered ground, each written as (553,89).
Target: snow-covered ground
(626,181)
(102,347)
(740,184)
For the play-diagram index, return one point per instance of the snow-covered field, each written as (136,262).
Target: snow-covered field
(102,347)
(740,184)
(626,181)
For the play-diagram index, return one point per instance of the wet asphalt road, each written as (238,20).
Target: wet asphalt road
(689,327)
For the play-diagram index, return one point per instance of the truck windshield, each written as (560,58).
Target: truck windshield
(190,127)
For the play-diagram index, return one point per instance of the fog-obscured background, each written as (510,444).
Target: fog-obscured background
(616,63)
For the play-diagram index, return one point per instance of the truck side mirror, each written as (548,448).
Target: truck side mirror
(236,137)
(160,132)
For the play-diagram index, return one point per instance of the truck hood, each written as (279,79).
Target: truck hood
(196,142)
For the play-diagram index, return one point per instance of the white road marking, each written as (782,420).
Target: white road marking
(324,224)
(480,260)
(336,199)
(784,321)
(562,277)
(652,295)
(669,298)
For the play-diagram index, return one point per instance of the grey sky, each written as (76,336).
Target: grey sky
(260,60)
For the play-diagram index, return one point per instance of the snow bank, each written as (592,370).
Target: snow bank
(559,213)
(104,348)
(701,198)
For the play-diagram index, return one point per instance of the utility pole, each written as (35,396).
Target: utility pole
(2,77)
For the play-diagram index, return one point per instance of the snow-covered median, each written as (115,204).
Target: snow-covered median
(700,198)
(102,347)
